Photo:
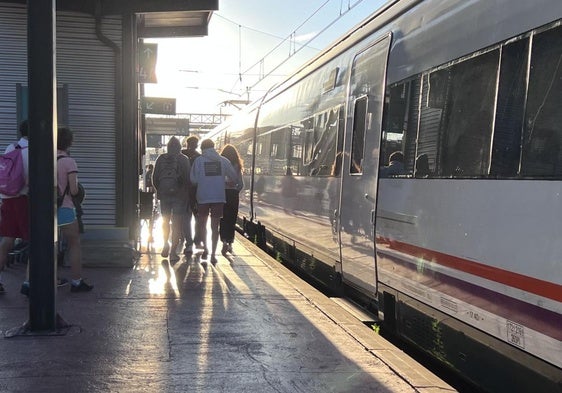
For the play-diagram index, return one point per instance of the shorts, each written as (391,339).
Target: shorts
(215,209)
(66,215)
(174,206)
(14,221)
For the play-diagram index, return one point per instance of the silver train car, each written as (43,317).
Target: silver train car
(458,245)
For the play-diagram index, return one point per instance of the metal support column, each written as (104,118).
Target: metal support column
(42,144)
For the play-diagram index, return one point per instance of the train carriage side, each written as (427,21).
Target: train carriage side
(299,136)
(468,259)
(460,248)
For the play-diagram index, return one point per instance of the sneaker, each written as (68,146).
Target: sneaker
(165,250)
(24,290)
(82,287)
(2,290)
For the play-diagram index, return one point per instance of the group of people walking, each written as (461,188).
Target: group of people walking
(199,185)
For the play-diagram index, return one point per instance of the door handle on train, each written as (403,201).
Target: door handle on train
(369,198)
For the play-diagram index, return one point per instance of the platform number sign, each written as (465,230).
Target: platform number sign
(147,62)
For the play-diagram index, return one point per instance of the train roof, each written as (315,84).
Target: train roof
(427,33)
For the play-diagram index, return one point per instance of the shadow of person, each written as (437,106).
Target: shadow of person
(229,258)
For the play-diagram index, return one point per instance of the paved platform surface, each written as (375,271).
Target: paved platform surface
(246,324)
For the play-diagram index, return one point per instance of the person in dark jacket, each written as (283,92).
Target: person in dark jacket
(191,152)
(171,181)
(395,165)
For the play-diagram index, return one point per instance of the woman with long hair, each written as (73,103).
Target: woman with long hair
(232,190)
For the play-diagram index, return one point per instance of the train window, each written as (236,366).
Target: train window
(429,124)
(495,113)
(309,135)
(273,149)
(506,148)
(358,135)
(328,144)
(394,122)
(321,143)
(338,159)
(250,149)
(542,134)
(400,122)
(460,105)
(294,153)
(245,149)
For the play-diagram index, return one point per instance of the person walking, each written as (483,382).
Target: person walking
(14,211)
(191,152)
(171,181)
(67,180)
(148,178)
(232,190)
(209,173)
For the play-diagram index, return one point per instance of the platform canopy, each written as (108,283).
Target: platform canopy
(158,18)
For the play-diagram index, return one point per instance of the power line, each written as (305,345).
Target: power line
(247,27)
(262,74)
(293,33)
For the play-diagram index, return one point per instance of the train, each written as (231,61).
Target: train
(456,243)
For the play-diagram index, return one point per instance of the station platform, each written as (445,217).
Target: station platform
(246,324)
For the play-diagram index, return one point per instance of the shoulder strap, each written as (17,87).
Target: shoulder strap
(67,189)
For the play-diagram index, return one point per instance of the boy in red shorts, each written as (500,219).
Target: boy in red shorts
(14,211)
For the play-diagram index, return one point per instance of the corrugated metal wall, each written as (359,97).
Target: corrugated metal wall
(87,68)
(13,67)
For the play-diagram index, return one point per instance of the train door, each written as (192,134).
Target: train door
(361,163)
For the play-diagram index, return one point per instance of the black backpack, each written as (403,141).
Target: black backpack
(169,177)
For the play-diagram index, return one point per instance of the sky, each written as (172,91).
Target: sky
(251,45)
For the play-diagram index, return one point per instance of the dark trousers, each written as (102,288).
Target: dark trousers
(229,215)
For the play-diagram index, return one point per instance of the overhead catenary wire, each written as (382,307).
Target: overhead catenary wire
(288,38)
(350,7)
(291,38)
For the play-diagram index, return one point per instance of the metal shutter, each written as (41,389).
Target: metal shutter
(87,68)
(13,66)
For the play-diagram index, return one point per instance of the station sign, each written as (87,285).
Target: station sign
(166,126)
(147,62)
(158,105)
